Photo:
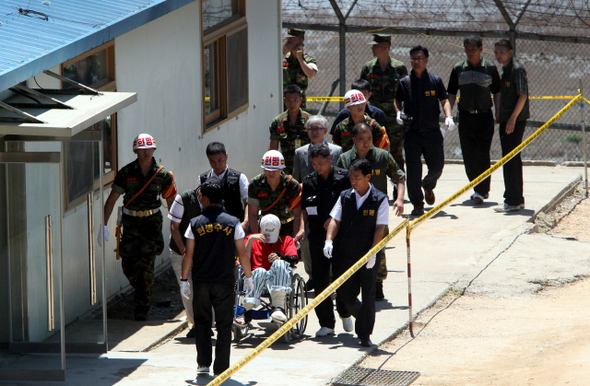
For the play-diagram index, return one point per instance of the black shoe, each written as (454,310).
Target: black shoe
(309,285)
(379,291)
(191,333)
(429,197)
(140,313)
(366,342)
(418,210)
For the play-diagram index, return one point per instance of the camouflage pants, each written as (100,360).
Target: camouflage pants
(382,273)
(141,242)
(396,143)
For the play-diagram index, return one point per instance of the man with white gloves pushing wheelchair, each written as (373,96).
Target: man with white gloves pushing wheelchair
(272,258)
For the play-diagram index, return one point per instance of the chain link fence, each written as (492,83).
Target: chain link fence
(554,69)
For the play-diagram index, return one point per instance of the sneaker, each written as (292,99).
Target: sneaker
(477,198)
(347,324)
(251,303)
(203,370)
(324,331)
(278,315)
(504,207)
(429,197)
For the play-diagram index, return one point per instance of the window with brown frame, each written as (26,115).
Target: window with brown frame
(95,69)
(225,60)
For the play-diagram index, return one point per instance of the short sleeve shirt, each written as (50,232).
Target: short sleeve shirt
(261,195)
(130,180)
(382,212)
(343,133)
(421,99)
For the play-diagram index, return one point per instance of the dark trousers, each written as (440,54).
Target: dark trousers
(347,303)
(220,296)
(430,145)
(139,270)
(320,268)
(512,170)
(475,133)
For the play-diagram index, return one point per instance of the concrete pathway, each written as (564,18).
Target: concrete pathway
(452,247)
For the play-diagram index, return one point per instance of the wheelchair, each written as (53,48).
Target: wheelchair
(296,299)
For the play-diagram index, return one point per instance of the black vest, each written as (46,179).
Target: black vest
(357,227)
(191,210)
(232,200)
(215,248)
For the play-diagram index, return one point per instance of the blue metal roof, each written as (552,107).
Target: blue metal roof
(36,35)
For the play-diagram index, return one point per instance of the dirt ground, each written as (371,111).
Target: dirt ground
(472,339)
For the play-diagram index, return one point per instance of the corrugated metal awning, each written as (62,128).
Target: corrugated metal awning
(58,113)
(37,35)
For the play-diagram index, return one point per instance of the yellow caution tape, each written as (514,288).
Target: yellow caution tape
(340,99)
(362,261)
(308,308)
(324,99)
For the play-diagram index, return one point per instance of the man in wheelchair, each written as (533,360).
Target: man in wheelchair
(272,258)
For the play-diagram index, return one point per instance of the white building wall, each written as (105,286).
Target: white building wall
(161,61)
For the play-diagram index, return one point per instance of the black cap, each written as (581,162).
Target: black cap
(381,38)
(296,32)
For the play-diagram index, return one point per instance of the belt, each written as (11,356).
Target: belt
(140,213)
(287,221)
(475,111)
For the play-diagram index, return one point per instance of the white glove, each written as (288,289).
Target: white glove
(371,262)
(185,289)
(450,123)
(398,118)
(106,235)
(443,132)
(248,285)
(328,247)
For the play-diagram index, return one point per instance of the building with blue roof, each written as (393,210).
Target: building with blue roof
(79,80)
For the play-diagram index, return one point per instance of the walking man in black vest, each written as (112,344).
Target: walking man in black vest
(359,218)
(185,207)
(212,241)
(234,184)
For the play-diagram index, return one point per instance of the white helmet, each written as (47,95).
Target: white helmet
(273,160)
(270,226)
(144,141)
(353,97)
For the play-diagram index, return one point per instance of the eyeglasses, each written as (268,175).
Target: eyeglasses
(316,129)
(417,59)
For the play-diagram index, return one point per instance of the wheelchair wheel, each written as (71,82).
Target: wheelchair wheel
(239,332)
(299,302)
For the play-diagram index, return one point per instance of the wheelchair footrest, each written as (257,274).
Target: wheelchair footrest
(260,314)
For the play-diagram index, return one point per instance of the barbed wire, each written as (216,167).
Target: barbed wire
(561,17)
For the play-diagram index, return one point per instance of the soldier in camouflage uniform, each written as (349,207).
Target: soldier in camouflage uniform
(142,239)
(275,192)
(384,73)
(298,67)
(288,128)
(382,166)
(355,102)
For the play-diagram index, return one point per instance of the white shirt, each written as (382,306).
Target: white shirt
(243,181)
(238,232)
(382,212)
(177,209)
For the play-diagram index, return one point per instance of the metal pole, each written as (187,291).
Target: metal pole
(584,140)
(411,318)
(342,39)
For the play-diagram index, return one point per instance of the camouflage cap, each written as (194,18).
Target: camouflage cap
(296,32)
(381,38)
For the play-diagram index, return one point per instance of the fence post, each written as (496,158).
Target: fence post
(584,140)
(408,255)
